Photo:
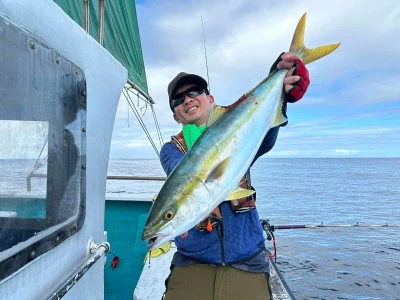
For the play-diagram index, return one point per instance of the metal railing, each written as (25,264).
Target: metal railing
(151,178)
(111,177)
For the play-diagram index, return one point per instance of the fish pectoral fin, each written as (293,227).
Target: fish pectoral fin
(280,118)
(218,170)
(215,113)
(239,193)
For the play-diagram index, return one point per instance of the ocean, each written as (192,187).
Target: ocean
(320,263)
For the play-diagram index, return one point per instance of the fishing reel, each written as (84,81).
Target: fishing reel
(268,228)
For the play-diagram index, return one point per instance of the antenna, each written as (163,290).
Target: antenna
(205,54)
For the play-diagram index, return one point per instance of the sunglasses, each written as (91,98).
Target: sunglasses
(191,92)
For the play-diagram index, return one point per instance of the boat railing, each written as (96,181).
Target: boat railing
(110,177)
(151,178)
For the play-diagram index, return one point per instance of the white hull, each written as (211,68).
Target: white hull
(105,78)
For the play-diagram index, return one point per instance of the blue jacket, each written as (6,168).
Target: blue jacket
(239,238)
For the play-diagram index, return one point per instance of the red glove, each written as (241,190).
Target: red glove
(299,87)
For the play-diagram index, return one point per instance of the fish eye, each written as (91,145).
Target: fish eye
(169,215)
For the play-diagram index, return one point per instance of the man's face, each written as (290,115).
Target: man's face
(193,110)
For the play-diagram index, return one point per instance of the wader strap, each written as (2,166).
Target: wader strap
(179,142)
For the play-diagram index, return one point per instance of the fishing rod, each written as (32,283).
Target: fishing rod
(205,54)
(322,225)
(269,229)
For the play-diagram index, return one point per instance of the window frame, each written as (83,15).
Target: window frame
(34,73)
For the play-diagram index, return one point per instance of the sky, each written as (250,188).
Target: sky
(351,108)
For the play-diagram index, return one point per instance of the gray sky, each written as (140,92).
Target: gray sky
(351,108)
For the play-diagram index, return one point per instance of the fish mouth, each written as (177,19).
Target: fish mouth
(156,241)
(152,241)
(157,236)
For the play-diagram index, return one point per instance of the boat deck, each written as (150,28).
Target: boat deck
(151,282)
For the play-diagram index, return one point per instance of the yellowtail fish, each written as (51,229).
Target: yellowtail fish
(211,170)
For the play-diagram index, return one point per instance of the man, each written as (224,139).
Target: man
(224,256)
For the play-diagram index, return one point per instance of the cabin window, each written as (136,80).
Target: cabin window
(23,154)
(42,148)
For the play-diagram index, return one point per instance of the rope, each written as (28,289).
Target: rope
(157,126)
(139,118)
(127,106)
(40,162)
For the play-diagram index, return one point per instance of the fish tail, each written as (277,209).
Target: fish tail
(308,55)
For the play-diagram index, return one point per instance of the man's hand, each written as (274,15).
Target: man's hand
(297,79)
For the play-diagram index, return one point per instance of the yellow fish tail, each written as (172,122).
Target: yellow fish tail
(308,55)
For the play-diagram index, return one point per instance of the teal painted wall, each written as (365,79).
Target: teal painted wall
(124,223)
(25,207)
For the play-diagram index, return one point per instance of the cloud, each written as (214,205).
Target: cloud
(346,151)
(353,101)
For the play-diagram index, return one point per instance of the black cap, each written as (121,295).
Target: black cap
(180,80)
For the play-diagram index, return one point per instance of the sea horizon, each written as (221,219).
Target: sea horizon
(273,157)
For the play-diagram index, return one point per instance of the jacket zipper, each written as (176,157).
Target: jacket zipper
(220,232)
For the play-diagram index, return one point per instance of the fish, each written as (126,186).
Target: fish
(210,172)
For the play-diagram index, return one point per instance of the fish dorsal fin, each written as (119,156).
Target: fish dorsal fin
(219,170)
(239,192)
(280,118)
(308,55)
(216,112)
